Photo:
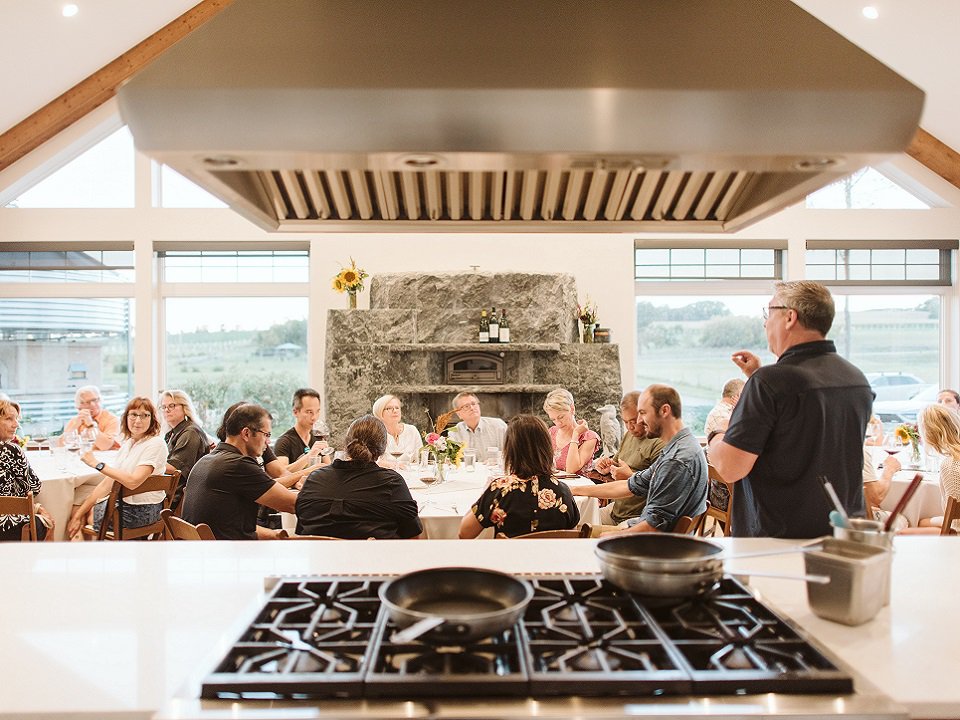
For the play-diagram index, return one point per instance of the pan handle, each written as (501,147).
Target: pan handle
(412,632)
(819,579)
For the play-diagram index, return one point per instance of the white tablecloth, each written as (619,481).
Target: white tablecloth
(926,501)
(443,505)
(60,485)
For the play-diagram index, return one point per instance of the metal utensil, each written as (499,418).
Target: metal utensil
(835,501)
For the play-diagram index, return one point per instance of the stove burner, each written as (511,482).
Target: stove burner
(329,637)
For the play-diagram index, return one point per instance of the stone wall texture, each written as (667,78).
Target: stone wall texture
(400,346)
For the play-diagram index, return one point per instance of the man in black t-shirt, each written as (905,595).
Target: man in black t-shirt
(797,421)
(224,487)
(301,438)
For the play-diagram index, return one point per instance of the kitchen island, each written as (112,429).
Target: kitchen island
(129,630)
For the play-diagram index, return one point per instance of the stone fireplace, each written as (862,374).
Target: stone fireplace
(421,326)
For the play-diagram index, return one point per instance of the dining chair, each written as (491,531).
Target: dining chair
(687,525)
(950,513)
(720,513)
(17,505)
(179,529)
(581,531)
(111,528)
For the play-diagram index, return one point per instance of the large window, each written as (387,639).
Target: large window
(225,349)
(687,342)
(73,264)
(50,347)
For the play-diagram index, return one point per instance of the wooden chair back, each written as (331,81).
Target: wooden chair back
(721,517)
(17,505)
(687,525)
(582,531)
(111,528)
(179,529)
(950,513)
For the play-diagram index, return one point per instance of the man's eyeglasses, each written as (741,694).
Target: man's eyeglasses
(263,432)
(767,309)
(139,416)
(170,406)
(468,405)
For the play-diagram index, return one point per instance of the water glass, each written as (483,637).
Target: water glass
(470,460)
(493,456)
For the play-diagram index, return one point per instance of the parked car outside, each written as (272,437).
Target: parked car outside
(896,386)
(895,412)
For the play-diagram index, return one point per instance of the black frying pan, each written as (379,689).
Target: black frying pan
(459,604)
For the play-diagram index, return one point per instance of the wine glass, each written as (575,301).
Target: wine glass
(427,473)
(397,455)
(893,444)
(321,429)
(88,436)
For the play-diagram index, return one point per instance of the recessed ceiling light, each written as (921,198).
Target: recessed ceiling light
(870,12)
(70,9)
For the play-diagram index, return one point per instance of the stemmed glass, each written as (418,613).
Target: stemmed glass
(893,444)
(88,436)
(428,472)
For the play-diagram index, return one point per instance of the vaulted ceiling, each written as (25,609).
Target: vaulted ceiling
(45,55)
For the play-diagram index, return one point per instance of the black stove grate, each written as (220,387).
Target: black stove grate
(330,638)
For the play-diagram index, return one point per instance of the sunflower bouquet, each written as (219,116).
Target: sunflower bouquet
(350,279)
(909,433)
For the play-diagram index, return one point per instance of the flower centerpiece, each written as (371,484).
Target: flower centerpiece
(908,432)
(445,449)
(587,314)
(350,280)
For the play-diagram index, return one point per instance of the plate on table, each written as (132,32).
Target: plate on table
(564,475)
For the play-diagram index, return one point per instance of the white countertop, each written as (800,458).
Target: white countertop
(118,629)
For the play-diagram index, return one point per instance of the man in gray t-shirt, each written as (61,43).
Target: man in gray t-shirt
(474,431)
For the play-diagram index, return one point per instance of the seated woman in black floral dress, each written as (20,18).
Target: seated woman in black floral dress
(526,499)
(17,478)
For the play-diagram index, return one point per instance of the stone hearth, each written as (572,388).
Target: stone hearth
(417,320)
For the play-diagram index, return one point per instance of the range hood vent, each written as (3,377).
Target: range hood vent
(488,115)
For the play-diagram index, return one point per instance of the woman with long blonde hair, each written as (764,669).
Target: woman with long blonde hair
(940,430)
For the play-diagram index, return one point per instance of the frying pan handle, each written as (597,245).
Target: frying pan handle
(412,632)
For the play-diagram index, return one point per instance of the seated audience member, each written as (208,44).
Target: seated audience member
(287,475)
(876,487)
(17,478)
(300,440)
(474,431)
(874,432)
(637,452)
(91,415)
(719,417)
(356,498)
(574,444)
(949,398)
(676,483)
(527,498)
(142,453)
(225,486)
(186,441)
(400,436)
(940,428)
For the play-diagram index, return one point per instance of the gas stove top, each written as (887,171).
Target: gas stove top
(328,637)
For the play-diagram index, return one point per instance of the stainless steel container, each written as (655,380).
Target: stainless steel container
(857,574)
(869,532)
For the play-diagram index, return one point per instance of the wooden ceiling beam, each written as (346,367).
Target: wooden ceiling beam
(99,87)
(936,155)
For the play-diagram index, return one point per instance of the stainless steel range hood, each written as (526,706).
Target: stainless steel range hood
(577,115)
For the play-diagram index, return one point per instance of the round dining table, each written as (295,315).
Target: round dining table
(61,475)
(442,505)
(927,501)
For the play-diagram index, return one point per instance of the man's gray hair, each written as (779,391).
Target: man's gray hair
(733,388)
(460,396)
(630,399)
(812,302)
(86,389)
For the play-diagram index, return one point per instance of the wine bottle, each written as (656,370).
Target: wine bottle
(494,326)
(484,327)
(504,327)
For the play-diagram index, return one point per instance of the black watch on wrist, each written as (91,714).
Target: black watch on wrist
(99,466)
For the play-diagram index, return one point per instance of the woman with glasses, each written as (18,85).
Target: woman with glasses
(17,478)
(403,441)
(186,441)
(142,453)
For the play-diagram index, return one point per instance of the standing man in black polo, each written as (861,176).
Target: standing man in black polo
(797,420)
(225,486)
